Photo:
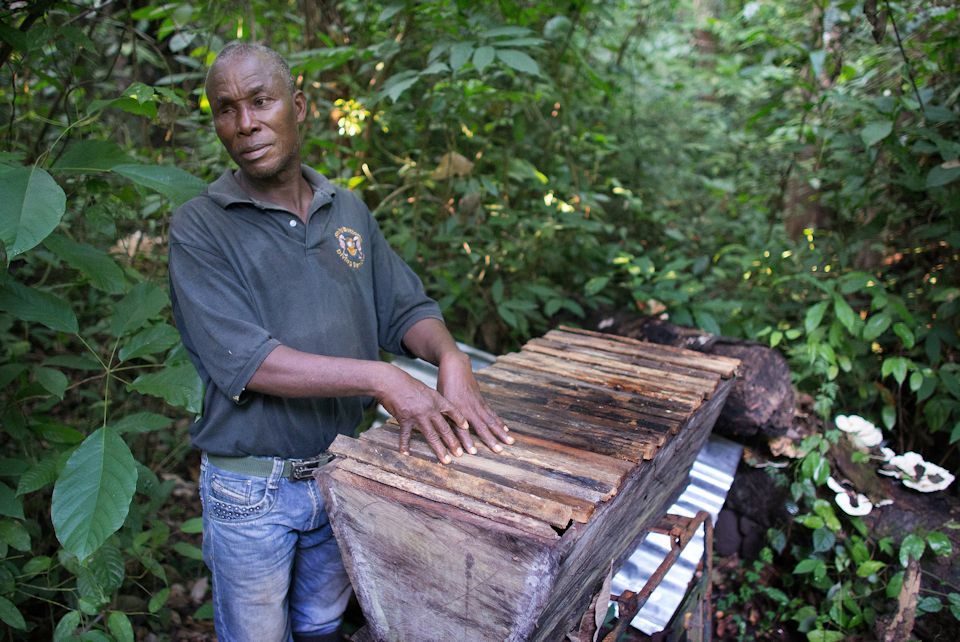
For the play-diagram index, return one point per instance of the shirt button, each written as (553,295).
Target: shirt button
(293,223)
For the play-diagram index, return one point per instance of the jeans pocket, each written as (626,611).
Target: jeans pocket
(236,498)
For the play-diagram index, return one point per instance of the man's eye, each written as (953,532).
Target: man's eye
(260,101)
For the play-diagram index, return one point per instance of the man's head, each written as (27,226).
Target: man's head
(256,110)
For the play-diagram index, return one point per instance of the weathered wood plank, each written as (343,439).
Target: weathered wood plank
(724,366)
(422,573)
(448,501)
(502,469)
(598,472)
(434,474)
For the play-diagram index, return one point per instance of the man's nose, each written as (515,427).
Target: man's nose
(246,120)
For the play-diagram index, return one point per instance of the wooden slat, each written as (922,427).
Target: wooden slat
(540,422)
(663,379)
(448,500)
(438,476)
(598,472)
(609,345)
(624,417)
(520,361)
(726,367)
(503,470)
(638,362)
(594,393)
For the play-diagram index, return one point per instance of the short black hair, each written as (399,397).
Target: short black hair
(243,48)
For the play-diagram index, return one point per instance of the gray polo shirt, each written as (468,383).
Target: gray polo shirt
(248,276)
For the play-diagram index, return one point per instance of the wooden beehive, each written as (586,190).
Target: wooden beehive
(513,546)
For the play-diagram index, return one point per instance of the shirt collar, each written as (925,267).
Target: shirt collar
(226,191)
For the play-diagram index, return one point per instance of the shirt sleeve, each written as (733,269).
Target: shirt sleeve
(399,296)
(216,318)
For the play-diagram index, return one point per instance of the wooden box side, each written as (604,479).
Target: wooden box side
(589,551)
(424,570)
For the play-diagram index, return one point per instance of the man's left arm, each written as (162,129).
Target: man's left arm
(430,340)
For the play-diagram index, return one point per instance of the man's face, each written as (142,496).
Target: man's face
(255,116)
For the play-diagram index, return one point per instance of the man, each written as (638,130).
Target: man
(284,290)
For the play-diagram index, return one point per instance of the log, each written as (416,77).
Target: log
(761,402)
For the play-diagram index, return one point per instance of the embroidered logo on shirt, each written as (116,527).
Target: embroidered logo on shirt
(351,246)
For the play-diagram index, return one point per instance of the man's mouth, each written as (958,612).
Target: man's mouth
(254,152)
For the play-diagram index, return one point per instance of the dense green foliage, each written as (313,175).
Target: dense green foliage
(779,171)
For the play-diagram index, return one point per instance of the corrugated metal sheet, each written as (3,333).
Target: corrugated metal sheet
(710,480)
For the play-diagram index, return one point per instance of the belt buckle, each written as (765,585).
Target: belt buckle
(301,469)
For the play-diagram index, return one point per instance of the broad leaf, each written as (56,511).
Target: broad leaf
(874,132)
(102,271)
(14,534)
(91,156)
(943,174)
(92,496)
(460,54)
(52,380)
(876,325)
(519,61)
(28,304)
(845,313)
(10,504)
(174,183)
(814,316)
(42,474)
(143,302)
(912,546)
(11,615)
(142,422)
(150,341)
(120,627)
(179,385)
(31,206)
(482,57)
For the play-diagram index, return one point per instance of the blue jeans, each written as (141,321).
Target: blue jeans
(276,567)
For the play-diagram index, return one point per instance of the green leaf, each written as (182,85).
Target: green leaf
(519,61)
(929,604)
(11,615)
(876,325)
(107,568)
(14,534)
(189,551)
(172,182)
(912,547)
(91,156)
(192,525)
(158,599)
(31,206)
(482,58)
(821,635)
(102,271)
(943,175)
(939,543)
(28,304)
(460,54)
(869,567)
(806,566)
(814,316)
(10,504)
(875,131)
(42,474)
(37,565)
(120,628)
(905,334)
(178,385)
(394,87)
(823,540)
(52,380)
(152,340)
(67,626)
(896,366)
(845,314)
(143,302)
(205,612)
(92,496)
(140,422)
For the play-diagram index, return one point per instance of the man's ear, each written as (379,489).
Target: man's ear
(300,105)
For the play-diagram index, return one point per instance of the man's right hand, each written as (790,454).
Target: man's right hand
(417,407)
